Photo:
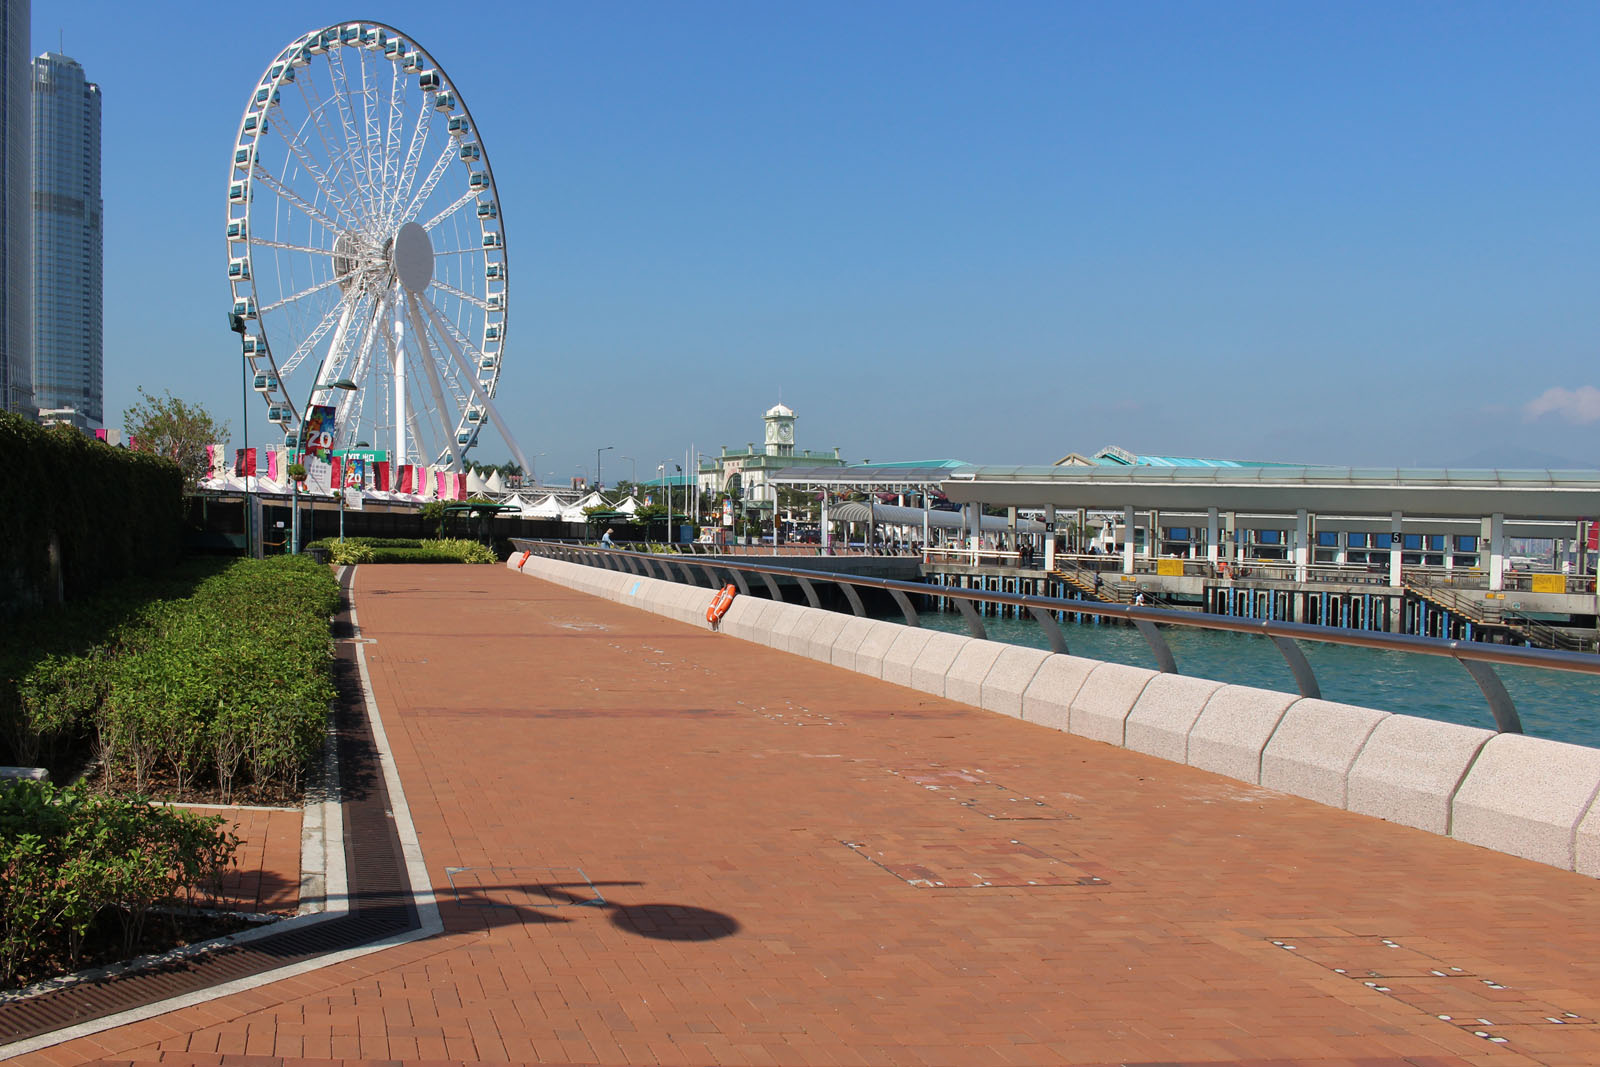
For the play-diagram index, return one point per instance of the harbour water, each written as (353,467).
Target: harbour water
(1553,704)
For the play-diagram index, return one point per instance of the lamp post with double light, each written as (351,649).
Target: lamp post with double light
(236,324)
(598,481)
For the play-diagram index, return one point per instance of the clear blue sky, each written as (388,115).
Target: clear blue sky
(1359,233)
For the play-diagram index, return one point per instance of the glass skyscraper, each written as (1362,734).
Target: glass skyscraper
(67,241)
(16,220)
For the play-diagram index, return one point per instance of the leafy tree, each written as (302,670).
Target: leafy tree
(167,426)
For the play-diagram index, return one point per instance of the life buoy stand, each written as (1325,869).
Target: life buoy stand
(521,562)
(720,605)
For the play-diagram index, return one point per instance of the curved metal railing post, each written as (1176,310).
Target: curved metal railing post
(1304,677)
(1052,630)
(1506,719)
(851,595)
(772,586)
(906,607)
(974,624)
(1158,646)
(810,591)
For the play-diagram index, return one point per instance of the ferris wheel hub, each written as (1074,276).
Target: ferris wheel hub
(412,257)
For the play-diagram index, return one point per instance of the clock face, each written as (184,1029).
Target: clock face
(785,432)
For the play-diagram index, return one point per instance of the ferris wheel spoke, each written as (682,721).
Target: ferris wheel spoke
(298,148)
(419,333)
(433,179)
(286,246)
(302,294)
(318,111)
(485,396)
(288,195)
(373,140)
(476,301)
(468,197)
(419,140)
(318,332)
(352,138)
(391,141)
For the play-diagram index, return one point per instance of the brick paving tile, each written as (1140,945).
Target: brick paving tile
(266,874)
(711,790)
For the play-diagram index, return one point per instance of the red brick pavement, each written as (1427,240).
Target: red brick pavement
(266,873)
(769,834)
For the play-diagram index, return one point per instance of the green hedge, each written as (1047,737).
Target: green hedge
(83,874)
(109,512)
(392,550)
(217,679)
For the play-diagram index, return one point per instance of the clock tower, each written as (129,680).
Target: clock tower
(780,431)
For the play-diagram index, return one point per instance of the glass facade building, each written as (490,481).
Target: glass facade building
(16,220)
(67,240)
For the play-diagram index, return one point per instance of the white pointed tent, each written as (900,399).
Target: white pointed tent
(546,508)
(476,484)
(494,483)
(574,512)
(629,506)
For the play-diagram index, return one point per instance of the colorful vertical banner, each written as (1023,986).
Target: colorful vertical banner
(380,476)
(355,473)
(321,425)
(244,462)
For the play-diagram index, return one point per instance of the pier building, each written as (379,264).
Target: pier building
(1403,550)
(751,473)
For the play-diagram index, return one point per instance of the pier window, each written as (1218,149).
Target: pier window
(1326,550)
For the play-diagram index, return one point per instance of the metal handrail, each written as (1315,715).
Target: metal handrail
(1477,659)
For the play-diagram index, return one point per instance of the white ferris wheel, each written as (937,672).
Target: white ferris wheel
(366,251)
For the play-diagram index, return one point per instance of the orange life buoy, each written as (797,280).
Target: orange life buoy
(720,604)
(524,559)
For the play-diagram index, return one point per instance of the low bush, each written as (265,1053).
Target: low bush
(401,550)
(227,682)
(328,544)
(84,874)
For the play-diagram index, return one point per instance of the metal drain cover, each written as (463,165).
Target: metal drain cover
(956,859)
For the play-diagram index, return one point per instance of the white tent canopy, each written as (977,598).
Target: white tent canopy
(546,508)
(574,512)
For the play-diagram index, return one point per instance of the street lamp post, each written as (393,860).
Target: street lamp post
(236,324)
(633,471)
(597,478)
(294,513)
(661,476)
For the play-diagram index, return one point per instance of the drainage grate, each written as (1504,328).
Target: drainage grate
(1484,1007)
(380,893)
(955,859)
(975,790)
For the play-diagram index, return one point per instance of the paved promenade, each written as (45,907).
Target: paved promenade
(655,844)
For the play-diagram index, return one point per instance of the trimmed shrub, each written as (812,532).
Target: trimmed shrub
(402,550)
(223,680)
(83,874)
